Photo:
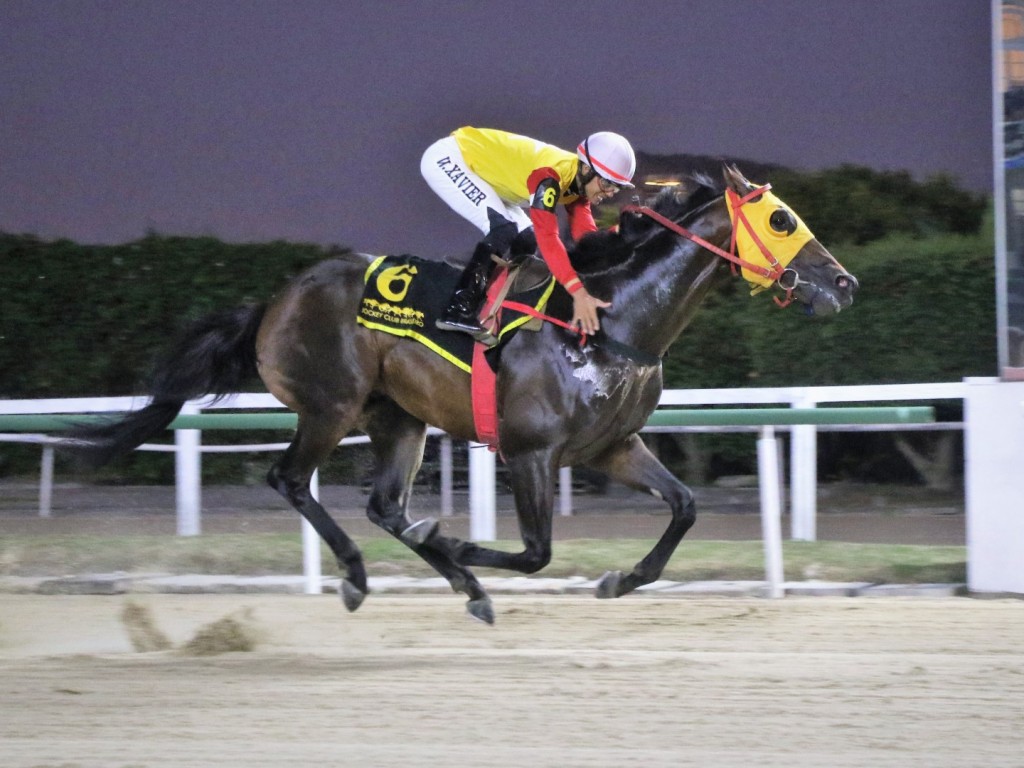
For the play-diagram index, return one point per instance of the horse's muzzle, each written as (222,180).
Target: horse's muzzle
(830,299)
(819,281)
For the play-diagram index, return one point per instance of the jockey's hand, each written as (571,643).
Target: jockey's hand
(584,311)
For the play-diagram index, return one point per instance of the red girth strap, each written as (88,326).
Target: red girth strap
(484,380)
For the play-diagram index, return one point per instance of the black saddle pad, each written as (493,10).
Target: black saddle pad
(405,295)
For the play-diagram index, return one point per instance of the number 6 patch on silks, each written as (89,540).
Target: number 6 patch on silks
(546,196)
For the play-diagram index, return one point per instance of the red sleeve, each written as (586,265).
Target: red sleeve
(581,218)
(545,191)
(545,226)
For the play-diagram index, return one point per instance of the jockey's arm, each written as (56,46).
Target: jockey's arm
(545,194)
(581,218)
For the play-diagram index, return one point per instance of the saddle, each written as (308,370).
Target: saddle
(518,280)
(404,295)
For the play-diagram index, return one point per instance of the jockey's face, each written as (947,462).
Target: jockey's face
(599,189)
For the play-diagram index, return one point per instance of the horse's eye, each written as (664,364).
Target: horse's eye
(783,221)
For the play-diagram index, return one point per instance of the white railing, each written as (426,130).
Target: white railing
(804,439)
(803,444)
(803,457)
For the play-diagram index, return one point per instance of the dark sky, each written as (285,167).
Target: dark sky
(305,121)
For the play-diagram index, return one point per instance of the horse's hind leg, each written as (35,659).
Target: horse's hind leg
(314,440)
(532,476)
(397,440)
(632,464)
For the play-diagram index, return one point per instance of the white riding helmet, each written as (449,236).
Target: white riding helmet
(610,156)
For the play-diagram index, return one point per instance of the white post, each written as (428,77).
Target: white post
(804,477)
(311,546)
(993,458)
(188,476)
(482,514)
(565,491)
(781,458)
(46,482)
(771,525)
(447,507)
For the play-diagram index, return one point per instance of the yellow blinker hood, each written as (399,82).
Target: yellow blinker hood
(754,220)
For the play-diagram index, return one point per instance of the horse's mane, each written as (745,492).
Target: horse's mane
(604,250)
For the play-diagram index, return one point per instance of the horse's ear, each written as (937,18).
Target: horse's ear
(736,181)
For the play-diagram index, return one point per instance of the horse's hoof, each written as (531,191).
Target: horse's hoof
(481,610)
(351,595)
(420,532)
(608,586)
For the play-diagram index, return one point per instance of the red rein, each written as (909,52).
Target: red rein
(774,270)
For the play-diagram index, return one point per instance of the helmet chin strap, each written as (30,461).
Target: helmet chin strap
(582,179)
(586,178)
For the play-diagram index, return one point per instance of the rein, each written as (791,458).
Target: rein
(773,271)
(612,345)
(526,309)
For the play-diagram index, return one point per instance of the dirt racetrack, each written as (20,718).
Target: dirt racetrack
(558,682)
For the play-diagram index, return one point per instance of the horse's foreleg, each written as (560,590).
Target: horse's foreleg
(632,464)
(290,476)
(397,440)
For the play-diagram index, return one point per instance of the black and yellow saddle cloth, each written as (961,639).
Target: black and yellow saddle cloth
(404,295)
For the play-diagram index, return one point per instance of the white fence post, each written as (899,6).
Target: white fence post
(771,524)
(313,582)
(565,491)
(46,482)
(482,514)
(804,476)
(188,476)
(994,455)
(447,507)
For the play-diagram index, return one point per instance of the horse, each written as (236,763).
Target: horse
(559,403)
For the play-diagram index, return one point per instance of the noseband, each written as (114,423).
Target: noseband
(774,271)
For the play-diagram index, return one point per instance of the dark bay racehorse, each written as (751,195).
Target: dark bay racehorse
(559,404)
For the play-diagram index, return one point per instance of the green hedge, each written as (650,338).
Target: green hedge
(925,312)
(78,320)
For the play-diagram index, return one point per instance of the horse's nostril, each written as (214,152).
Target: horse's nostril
(846,282)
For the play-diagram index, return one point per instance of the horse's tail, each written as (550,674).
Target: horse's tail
(216,356)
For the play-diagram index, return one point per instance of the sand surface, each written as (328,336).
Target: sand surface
(559,681)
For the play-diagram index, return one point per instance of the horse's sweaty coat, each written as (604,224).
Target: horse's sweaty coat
(558,404)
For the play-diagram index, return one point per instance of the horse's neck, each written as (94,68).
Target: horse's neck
(652,309)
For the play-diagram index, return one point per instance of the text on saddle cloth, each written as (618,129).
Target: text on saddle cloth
(404,295)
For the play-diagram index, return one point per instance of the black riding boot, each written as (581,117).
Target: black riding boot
(467,299)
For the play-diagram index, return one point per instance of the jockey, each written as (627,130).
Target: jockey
(486,175)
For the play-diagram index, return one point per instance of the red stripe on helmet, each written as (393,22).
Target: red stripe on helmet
(607,172)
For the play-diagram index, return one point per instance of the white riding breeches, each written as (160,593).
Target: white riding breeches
(467,194)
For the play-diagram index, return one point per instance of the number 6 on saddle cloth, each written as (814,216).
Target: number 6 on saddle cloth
(403,295)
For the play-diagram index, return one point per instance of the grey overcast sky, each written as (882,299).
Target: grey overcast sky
(305,121)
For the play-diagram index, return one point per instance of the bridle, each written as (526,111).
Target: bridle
(774,271)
